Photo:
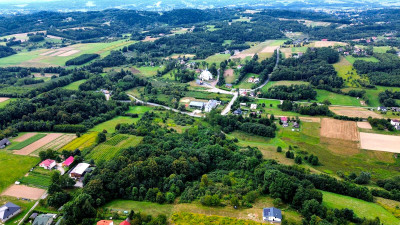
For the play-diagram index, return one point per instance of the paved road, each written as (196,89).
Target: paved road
(269,75)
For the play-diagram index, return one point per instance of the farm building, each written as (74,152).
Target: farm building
(8,211)
(210,105)
(68,161)
(48,164)
(382,108)
(196,105)
(105,222)
(272,214)
(79,170)
(4,143)
(206,75)
(43,219)
(253,106)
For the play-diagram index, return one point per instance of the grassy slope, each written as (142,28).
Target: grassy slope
(337,99)
(361,208)
(13,167)
(373,94)
(352,59)
(346,71)
(110,124)
(3,104)
(75,85)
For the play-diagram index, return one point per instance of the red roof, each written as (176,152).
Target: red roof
(47,162)
(324,40)
(124,223)
(104,222)
(68,161)
(283,118)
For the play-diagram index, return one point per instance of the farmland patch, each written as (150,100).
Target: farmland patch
(380,142)
(37,144)
(354,112)
(22,191)
(338,129)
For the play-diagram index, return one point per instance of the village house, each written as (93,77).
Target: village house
(196,105)
(243,104)
(206,75)
(239,67)
(253,106)
(68,161)
(8,211)
(284,121)
(210,105)
(79,170)
(48,164)
(237,112)
(382,109)
(296,125)
(228,85)
(105,222)
(395,122)
(4,143)
(126,222)
(43,219)
(272,214)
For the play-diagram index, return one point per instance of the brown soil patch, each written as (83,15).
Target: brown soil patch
(364,125)
(269,49)
(48,52)
(148,38)
(45,75)
(340,147)
(69,53)
(22,191)
(320,44)
(242,56)
(310,119)
(37,144)
(24,137)
(228,73)
(380,142)
(344,130)
(354,112)
(3,99)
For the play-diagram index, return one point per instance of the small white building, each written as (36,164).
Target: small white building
(206,75)
(79,170)
(272,214)
(253,106)
(210,105)
(395,123)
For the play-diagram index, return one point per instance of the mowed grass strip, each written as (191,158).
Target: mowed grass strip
(82,142)
(27,142)
(361,208)
(192,218)
(13,167)
(74,86)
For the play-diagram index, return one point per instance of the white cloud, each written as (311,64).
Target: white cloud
(90,4)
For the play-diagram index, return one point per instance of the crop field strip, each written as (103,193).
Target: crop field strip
(55,144)
(38,143)
(27,142)
(82,142)
(36,179)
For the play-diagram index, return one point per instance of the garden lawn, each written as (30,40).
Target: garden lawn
(361,208)
(217,58)
(75,85)
(143,207)
(13,167)
(110,124)
(27,142)
(39,178)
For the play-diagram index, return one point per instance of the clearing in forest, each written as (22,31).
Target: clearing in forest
(3,99)
(344,130)
(380,142)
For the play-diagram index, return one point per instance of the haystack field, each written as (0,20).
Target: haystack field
(380,142)
(338,129)
(22,191)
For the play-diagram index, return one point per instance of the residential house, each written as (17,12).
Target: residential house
(196,105)
(243,104)
(206,75)
(251,80)
(272,214)
(210,105)
(199,82)
(324,39)
(105,222)
(395,122)
(33,216)
(284,121)
(253,106)
(239,67)
(79,170)
(48,164)
(68,161)
(8,211)
(4,143)
(382,109)
(126,222)
(237,112)
(43,219)
(228,85)
(296,125)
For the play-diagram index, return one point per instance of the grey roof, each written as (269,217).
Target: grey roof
(5,141)
(33,216)
(277,213)
(42,219)
(8,209)
(196,104)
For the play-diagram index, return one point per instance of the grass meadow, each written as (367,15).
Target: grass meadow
(13,167)
(373,94)
(361,208)
(110,124)
(352,59)
(74,86)
(337,99)
(39,178)
(3,104)
(346,71)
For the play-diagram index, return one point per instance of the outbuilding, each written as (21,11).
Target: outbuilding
(272,214)
(79,170)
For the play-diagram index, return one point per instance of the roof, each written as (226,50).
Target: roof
(277,213)
(80,168)
(47,162)
(8,209)
(4,141)
(104,222)
(197,104)
(68,161)
(283,118)
(42,219)
(33,216)
(125,223)
(228,85)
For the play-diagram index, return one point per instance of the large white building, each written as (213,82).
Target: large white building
(206,75)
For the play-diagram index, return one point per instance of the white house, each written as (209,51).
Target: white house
(395,123)
(253,106)
(210,105)
(272,214)
(48,164)
(206,75)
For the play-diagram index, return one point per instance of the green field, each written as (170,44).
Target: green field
(299,49)
(81,142)
(346,71)
(244,84)
(373,94)
(27,142)
(361,208)
(207,95)
(283,82)
(38,178)
(143,207)
(191,218)
(139,109)
(337,99)
(147,71)
(352,59)
(217,58)
(110,124)
(13,167)
(3,104)
(75,85)
(36,57)
(113,146)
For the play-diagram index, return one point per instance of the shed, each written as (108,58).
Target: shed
(272,214)
(196,105)
(4,142)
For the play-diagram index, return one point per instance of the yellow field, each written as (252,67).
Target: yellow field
(82,142)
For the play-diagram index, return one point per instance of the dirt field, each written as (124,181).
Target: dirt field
(148,38)
(22,191)
(364,125)
(320,44)
(3,99)
(269,49)
(69,53)
(354,112)
(242,56)
(24,137)
(36,145)
(228,73)
(310,119)
(344,130)
(380,142)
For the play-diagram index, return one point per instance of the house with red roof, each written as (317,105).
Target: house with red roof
(68,161)
(48,164)
(105,222)
(125,222)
